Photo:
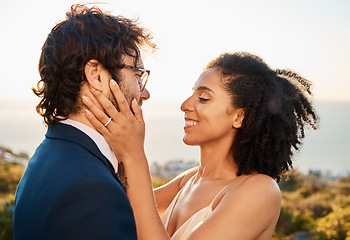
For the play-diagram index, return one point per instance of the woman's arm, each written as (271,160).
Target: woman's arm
(140,193)
(125,134)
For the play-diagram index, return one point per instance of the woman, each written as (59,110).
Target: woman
(246,118)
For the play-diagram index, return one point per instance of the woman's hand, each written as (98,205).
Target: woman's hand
(123,130)
(125,133)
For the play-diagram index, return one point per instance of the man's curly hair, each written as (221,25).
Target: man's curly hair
(85,34)
(276,108)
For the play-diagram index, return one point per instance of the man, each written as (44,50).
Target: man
(71,189)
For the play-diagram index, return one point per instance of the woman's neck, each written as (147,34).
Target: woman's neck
(216,161)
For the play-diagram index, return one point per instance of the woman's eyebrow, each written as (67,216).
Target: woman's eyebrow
(204,88)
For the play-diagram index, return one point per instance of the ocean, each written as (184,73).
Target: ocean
(326,150)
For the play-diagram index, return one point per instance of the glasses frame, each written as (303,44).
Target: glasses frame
(143,78)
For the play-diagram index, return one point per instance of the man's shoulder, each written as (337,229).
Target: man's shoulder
(65,141)
(67,161)
(62,164)
(54,154)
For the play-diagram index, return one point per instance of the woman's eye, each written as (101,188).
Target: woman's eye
(201,99)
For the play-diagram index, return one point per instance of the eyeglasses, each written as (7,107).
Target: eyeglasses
(143,76)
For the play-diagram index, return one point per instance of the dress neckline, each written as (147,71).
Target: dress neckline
(174,202)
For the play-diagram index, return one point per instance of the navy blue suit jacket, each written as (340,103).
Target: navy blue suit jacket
(70,191)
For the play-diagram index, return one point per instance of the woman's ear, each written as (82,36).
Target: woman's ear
(238,118)
(92,72)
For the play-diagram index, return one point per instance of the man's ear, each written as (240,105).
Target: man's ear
(92,72)
(238,118)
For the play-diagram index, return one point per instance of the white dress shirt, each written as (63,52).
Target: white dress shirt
(97,138)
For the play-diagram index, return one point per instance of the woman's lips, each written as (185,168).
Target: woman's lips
(190,123)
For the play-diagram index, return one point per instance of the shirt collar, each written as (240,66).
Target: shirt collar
(97,138)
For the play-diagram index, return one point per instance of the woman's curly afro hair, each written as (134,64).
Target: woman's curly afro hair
(276,107)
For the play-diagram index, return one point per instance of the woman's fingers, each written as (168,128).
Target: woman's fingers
(106,104)
(125,132)
(99,114)
(119,96)
(96,123)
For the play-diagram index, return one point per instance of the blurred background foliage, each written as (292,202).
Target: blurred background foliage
(10,174)
(313,207)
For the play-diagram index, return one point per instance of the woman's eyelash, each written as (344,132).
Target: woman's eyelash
(203,99)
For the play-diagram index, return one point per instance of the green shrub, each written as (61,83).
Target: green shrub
(319,204)
(6,217)
(335,225)
(292,220)
(344,188)
(10,175)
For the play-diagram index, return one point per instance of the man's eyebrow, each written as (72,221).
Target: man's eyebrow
(204,88)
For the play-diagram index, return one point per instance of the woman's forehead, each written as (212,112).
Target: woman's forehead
(210,78)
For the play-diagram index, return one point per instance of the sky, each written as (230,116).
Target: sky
(310,37)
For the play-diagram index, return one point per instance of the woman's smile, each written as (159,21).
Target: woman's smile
(190,123)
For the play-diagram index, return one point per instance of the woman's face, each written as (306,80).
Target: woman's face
(209,114)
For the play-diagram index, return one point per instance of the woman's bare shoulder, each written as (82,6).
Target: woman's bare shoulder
(254,181)
(185,176)
(249,207)
(260,187)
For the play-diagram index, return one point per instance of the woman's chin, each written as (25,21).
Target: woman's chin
(189,142)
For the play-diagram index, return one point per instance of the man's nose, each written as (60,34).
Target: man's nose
(145,94)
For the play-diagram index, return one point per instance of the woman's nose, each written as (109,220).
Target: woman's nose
(186,105)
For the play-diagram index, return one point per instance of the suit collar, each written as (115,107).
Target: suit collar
(69,133)
(72,134)
(98,139)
